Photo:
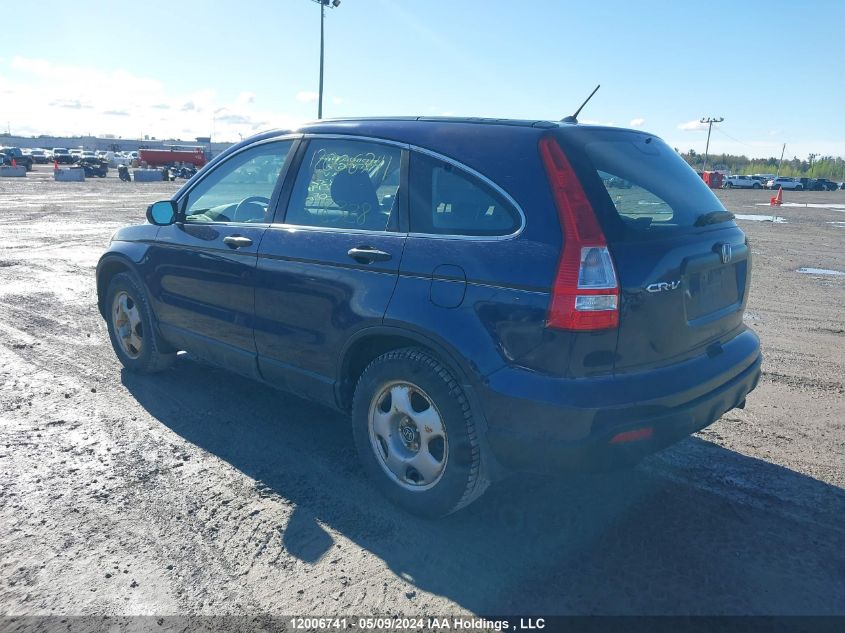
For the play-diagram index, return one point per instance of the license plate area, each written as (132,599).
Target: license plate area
(711,290)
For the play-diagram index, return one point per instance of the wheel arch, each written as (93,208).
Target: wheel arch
(111,264)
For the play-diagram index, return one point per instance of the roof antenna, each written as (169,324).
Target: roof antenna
(574,118)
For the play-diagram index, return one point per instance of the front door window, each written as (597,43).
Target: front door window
(239,190)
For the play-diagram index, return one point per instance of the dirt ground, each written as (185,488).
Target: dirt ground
(167,495)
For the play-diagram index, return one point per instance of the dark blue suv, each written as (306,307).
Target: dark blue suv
(478,294)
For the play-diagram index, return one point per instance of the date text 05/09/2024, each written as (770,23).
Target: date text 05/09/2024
(406,623)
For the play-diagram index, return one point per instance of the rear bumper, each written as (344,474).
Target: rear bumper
(570,424)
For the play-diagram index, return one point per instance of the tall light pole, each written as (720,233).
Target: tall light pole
(812,167)
(332,4)
(709,121)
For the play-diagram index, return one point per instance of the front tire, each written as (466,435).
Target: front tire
(416,434)
(131,330)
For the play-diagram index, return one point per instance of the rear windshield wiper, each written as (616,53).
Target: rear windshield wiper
(714,217)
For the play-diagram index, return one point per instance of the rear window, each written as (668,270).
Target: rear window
(650,187)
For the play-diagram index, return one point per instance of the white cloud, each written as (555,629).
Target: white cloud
(74,100)
(245,99)
(307,96)
(692,125)
(37,66)
(637,122)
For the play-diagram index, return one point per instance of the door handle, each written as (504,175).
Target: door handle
(367,255)
(237,241)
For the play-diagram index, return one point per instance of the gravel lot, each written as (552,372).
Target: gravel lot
(168,495)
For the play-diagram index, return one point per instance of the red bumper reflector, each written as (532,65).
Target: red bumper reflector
(632,436)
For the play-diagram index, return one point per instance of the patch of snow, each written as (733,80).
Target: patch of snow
(760,218)
(820,271)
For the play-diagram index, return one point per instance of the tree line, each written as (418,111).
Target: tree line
(830,167)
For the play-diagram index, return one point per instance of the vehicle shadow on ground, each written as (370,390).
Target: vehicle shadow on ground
(696,530)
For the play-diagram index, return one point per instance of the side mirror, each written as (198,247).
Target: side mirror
(162,213)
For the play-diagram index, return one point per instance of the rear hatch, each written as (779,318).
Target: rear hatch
(682,263)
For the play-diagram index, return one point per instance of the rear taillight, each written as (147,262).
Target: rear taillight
(585,295)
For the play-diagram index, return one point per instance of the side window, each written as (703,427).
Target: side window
(347,184)
(240,188)
(446,200)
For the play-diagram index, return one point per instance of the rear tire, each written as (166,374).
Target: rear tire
(799,188)
(131,330)
(410,412)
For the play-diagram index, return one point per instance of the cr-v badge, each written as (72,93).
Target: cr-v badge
(663,285)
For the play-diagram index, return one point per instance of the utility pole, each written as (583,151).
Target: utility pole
(812,166)
(709,121)
(322,37)
(781,159)
(332,4)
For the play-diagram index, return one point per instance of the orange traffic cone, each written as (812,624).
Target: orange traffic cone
(14,163)
(55,165)
(777,200)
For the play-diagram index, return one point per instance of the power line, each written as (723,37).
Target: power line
(723,133)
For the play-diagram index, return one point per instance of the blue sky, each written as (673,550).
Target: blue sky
(773,69)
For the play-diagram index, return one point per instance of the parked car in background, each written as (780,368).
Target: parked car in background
(4,159)
(617,183)
(93,166)
(370,265)
(785,183)
(811,184)
(761,179)
(40,156)
(842,185)
(741,182)
(824,184)
(62,156)
(17,155)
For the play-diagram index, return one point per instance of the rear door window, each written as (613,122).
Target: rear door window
(447,200)
(345,184)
